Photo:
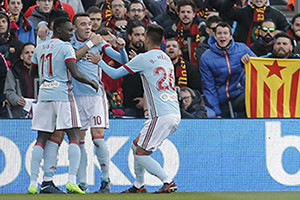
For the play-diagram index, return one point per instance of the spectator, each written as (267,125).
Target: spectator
(3,71)
(40,12)
(105,7)
(137,10)
(132,84)
(294,32)
(19,84)
(19,24)
(88,4)
(75,4)
(211,25)
(250,17)
(191,104)
(186,73)
(54,14)
(56,5)
(27,4)
(189,31)
(10,46)
(118,12)
(283,47)
(96,17)
(264,44)
(154,8)
(223,76)
(169,17)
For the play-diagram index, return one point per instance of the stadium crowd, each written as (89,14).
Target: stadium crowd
(190,24)
(208,42)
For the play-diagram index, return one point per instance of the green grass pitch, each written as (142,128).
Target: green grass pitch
(174,196)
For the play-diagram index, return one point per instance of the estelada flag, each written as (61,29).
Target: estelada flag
(272,88)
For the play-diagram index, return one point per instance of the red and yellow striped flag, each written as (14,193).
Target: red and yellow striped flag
(272,88)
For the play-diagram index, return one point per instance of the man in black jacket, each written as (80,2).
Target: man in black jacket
(264,44)
(19,84)
(283,47)
(191,104)
(186,73)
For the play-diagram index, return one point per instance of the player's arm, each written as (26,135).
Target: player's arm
(94,40)
(112,72)
(79,76)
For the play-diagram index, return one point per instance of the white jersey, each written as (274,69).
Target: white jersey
(50,58)
(157,73)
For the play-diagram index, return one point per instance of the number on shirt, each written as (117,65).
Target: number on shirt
(47,59)
(160,85)
(97,120)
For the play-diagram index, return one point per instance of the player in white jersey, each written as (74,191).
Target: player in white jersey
(54,62)
(93,106)
(157,73)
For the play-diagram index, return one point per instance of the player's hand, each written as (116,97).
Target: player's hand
(95,85)
(94,58)
(121,43)
(132,54)
(95,39)
(43,31)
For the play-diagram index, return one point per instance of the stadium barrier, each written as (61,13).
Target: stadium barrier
(202,155)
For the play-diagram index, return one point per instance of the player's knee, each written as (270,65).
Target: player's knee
(141,151)
(43,137)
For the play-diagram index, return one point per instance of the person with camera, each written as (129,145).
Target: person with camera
(191,104)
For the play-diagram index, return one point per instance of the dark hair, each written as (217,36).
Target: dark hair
(285,35)
(172,39)
(93,9)
(181,3)
(104,30)
(56,13)
(133,24)
(27,44)
(213,19)
(136,2)
(155,32)
(223,25)
(268,20)
(295,17)
(79,15)
(59,23)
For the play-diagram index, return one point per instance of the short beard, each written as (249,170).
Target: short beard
(267,39)
(139,47)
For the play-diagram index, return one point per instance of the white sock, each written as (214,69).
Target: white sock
(81,174)
(103,156)
(74,160)
(152,166)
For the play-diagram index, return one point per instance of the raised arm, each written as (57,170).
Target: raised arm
(112,72)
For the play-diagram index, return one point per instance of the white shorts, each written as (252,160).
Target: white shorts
(55,115)
(93,111)
(156,130)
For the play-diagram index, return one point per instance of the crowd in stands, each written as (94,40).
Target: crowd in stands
(208,41)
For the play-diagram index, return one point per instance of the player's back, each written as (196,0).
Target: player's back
(157,73)
(55,79)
